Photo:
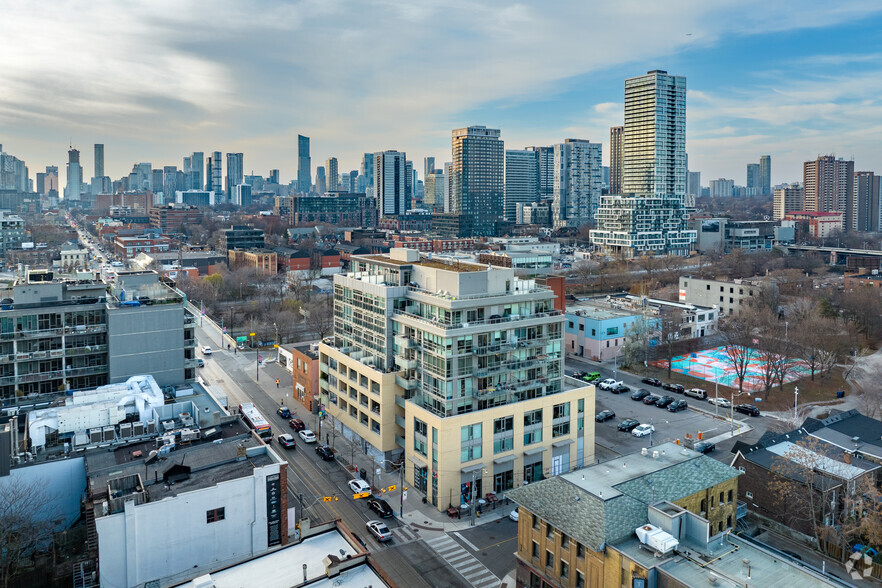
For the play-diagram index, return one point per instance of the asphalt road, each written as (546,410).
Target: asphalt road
(493,544)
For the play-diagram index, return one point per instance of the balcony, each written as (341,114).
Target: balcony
(407,383)
(85,329)
(40,376)
(86,371)
(88,349)
(36,333)
(405,364)
(189,319)
(7,380)
(189,342)
(191,363)
(404,342)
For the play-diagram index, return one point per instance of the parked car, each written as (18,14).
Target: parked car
(206,350)
(664,401)
(287,441)
(200,362)
(325,452)
(591,376)
(642,430)
(652,382)
(379,530)
(620,389)
(380,506)
(677,405)
(579,375)
(358,486)
(604,415)
(307,436)
(296,424)
(651,399)
(513,515)
(608,383)
(284,412)
(720,402)
(640,394)
(704,447)
(696,393)
(673,388)
(747,409)
(628,425)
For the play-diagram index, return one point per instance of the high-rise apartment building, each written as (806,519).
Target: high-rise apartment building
(829,187)
(765,175)
(448,194)
(578,182)
(99,160)
(722,188)
(197,170)
(693,184)
(521,180)
(13,173)
(409,185)
(390,182)
(477,182)
(216,173)
(753,177)
(332,174)
(786,200)
(235,173)
(616,156)
(74,176)
(367,172)
(456,370)
(304,165)
(428,166)
(434,191)
(654,146)
(321,185)
(545,160)
(866,201)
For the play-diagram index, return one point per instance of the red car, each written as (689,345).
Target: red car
(296,424)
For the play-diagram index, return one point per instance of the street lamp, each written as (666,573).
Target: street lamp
(732,409)
(400,466)
(278,348)
(795,398)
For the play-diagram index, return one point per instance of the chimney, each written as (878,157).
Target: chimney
(847,457)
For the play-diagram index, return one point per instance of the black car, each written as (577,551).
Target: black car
(579,375)
(604,415)
(628,425)
(704,447)
(284,412)
(620,389)
(677,405)
(673,388)
(380,506)
(748,409)
(640,394)
(664,401)
(325,452)
(652,382)
(297,424)
(651,399)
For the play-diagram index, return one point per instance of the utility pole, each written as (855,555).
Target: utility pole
(473,506)
(401,485)
(278,343)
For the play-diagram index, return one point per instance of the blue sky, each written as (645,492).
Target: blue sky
(155,81)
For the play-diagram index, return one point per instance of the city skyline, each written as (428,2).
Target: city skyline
(813,94)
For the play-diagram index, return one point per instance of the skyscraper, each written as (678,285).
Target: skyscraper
(217,174)
(616,156)
(435,191)
(390,182)
(521,180)
(273,176)
(99,160)
(74,176)
(578,182)
(235,173)
(367,171)
(428,166)
(304,165)
(477,185)
(654,147)
(753,177)
(197,170)
(787,199)
(409,185)
(332,174)
(866,199)
(321,185)
(829,187)
(545,159)
(765,175)
(352,186)
(693,184)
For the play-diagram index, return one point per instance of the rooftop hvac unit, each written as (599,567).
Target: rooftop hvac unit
(95,435)
(186,419)
(189,435)
(107,434)
(168,426)
(150,427)
(651,536)
(137,429)
(125,430)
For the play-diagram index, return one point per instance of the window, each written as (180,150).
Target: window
(749,494)
(729,521)
(549,532)
(535,549)
(581,327)
(561,410)
(560,429)
(532,437)
(730,496)
(470,453)
(580,550)
(503,425)
(564,541)
(740,468)
(722,496)
(549,559)
(564,569)
(535,522)
(593,332)
(215,515)
(580,579)
(612,331)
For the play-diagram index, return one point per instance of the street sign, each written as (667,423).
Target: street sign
(361,495)
(250,334)
(275,345)
(404,495)
(242,339)
(327,498)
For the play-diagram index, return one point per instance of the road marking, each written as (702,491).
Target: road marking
(466,564)
(466,541)
(498,544)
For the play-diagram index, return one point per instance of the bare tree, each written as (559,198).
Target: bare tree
(318,315)
(669,323)
(737,332)
(822,342)
(25,526)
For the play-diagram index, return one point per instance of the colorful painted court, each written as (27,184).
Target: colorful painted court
(713,366)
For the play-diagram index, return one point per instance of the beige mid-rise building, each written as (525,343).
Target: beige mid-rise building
(454,370)
(788,199)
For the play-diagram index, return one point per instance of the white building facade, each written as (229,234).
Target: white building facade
(578,182)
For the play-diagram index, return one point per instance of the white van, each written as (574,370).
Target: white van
(696,393)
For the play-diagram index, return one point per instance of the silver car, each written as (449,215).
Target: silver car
(379,530)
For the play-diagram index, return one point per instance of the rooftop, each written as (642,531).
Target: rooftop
(456,266)
(849,430)
(597,311)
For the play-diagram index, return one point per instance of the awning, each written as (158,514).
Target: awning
(534,451)
(416,461)
(505,459)
(472,468)
(562,443)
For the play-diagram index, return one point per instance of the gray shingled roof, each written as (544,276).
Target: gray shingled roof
(678,481)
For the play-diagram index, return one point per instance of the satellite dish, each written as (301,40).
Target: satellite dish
(766,217)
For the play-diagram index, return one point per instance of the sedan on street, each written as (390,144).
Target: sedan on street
(651,399)
(664,401)
(604,415)
(307,436)
(720,402)
(325,452)
(379,530)
(620,389)
(628,425)
(296,424)
(747,409)
(359,486)
(640,394)
(652,382)
(677,405)
(642,430)
(287,441)
(704,447)
(673,388)
(381,507)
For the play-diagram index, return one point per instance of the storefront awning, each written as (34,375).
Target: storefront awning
(505,459)
(472,468)
(534,451)
(562,443)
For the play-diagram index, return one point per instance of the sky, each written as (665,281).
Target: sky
(155,81)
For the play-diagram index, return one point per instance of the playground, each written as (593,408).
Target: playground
(714,367)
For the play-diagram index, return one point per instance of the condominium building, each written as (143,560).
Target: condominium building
(337,208)
(765,175)
(786,200)
(829,187)
(59,334)
(866,201)
(753,175)
(729,297)
(521,180)
(321,185)
(616,156)
(304,165)
(654,147)
(434,191)
(722,188)
(633,226)
(235,173)
(332,174)
(546,170)
(456,370)
(12,231)
(477,184)
(390,182)
(578,182)
(74,176)
(241,237)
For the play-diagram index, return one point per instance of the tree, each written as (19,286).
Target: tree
(768,351)
(584,271)
(737,332)
(822,342)
(318,315)
(669,322)
(25,526)
(636,344)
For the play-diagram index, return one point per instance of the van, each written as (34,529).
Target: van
(591,376)
(696,393)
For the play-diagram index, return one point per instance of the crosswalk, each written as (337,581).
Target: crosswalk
(463,562)
(404,535)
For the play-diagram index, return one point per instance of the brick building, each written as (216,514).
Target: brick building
(128,247)
(172,217)
(264,261)
(305,370)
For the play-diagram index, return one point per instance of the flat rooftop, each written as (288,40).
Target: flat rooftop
(454,266)
(597,311)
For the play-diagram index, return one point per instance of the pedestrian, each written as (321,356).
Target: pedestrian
(277,382)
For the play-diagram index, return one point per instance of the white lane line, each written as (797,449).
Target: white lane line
(466,541)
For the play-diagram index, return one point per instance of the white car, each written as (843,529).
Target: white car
(720,402)
(206,350)
(358,486)
(513,515)
(307,436)
(643,430)
(608,384)
(379,530)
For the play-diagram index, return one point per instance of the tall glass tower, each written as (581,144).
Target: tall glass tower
(304,165)
(477,180)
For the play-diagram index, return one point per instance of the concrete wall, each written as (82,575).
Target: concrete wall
(64,481)
(146,339)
